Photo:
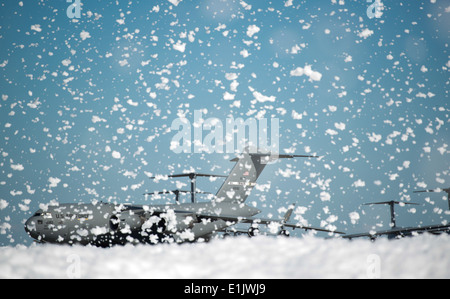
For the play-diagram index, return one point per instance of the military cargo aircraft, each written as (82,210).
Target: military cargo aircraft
(396,232)
(106,224)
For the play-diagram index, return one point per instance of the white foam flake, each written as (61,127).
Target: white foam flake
(116,155)
(54,182)
(17,167)
(36,27)
(252,30)
(354,217)
(259,97)
(84,35)
(365,33)
(307,71)
(325,196)
(180,46)
(359,183)
(3,204)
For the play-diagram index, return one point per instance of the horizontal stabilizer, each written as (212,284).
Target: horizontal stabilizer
(272,157)
(192,176)
(389,203)
(175,192)
(434,190)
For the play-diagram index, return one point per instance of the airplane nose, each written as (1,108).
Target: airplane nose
(27,223)
(30,227)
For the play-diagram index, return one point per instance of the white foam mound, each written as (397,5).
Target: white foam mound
(424,256)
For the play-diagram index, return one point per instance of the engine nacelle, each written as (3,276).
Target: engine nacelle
(180,223)
(155,225)
(168,222)
(114,223)
(125,222)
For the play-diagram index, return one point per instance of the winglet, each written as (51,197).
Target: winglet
(288,213)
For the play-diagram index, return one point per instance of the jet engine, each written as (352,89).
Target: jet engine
(126,222)
(180,223)
(169,223)
(155,224)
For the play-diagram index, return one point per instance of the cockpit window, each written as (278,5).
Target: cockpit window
(47,215)
(43,214)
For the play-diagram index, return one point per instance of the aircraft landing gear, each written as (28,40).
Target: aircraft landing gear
(253,231)
(284,232)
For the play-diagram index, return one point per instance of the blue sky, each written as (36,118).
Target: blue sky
(87,103)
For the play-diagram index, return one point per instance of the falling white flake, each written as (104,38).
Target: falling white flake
(339,126)
(54,182)
(228,96)
(252,29)
(3,204)
(180,46)
(36,27)
(259,97)
(313,75)
(374,137)
(354,217)
(325,196)
(359,183)
(365,33)
(116,155)
(18,167)
(96,119)
(84,35)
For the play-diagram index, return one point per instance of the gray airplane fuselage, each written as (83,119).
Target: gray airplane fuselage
(85,223)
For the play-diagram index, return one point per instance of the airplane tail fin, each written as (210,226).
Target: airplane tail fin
(243,176)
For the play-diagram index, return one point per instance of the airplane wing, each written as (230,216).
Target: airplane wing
(232,218)
(258,220)
(403,231)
